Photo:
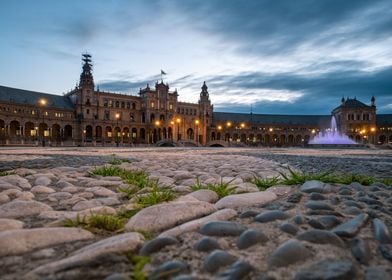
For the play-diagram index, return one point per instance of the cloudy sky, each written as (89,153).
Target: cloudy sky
(279,57)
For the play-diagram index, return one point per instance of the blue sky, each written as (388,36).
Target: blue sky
(280,57)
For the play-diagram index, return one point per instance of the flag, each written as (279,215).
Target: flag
(163,72)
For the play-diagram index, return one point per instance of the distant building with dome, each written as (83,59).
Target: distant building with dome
(87,116)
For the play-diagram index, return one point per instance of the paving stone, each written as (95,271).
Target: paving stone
(289,228)
(317,196)
(299,219)
(386,251)
(245,199)
(290,252)
(324,222)
(250,237)
(205,195)
(220,215)
(238,270)
(318,205)
(319,236)
(167,215)
(42,181)
(42,190)
(118,244)
(381,232)
(86,204)
(206,244)
(351,227)
(218,259)
(20,241)
(323,213)
(271,215)
(19,208)
(9,224)
(345,191)
(360,250)
(353,204)
(249,214)
(156,244)
(328,270)
(370,201)
(101,191)
(294,197)
(315,186)
(378,273)
(168,270)
(352,210)
(222,228)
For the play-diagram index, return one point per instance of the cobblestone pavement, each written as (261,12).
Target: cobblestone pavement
(306,231)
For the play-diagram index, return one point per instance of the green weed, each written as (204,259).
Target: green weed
(107,170)
(96,221)
(156,195)
(265,183)
(222,189)
(138,264)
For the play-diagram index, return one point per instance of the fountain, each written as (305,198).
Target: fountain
(332,137)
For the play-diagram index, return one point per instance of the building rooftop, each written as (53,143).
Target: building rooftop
(316,120)
(27,97)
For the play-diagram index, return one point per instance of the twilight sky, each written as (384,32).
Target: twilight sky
(280,56)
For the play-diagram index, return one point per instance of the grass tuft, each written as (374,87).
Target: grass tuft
(265,183)
(107,170)
(138,264)
(105,222)
(156,195)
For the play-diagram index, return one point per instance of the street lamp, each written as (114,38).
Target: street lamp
(42,103)
(197,131)
(178,128)
(242,125)
(171,135)
(228,124)
(117,136)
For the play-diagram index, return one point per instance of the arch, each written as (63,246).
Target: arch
(306,139)
(235,137)
(2,131)
(108,132)
(152,117)
(258,138)
(89,133)
(117,134)
(134,135)
(227,136)
(125,135)
(30,130)
(43,130)
(243,138)
(98,132)
(282,139)
(164,132)
(162,117)
(143,117)
(358,138)
(190,134)
(143,134)
(382,139)
(267,139)
(170,133)
(68,132)
(298,139)
(390,139)
(213,135)
(290,139)
(15,130)
(56,132)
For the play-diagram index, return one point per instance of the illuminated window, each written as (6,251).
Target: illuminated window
(152,104)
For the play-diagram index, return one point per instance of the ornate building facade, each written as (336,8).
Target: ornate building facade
(88,116)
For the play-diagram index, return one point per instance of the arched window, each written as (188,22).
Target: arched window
(128,105)
(117,104)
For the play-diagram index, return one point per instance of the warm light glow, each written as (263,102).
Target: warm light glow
(373,129)
(228,124)
(197,122)
(242,125)
(157,123)
(117,115)
(42,102)
(178,120)
(271,129)
(172,123)
(219,127)
(313,131)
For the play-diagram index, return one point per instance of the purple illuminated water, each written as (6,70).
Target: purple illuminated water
(332,136)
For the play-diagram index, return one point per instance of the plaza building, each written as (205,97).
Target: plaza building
(87,116)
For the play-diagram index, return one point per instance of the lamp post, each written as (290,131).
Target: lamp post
(219,132)
(197,131)
(117,138)
(373,134)
(42,103)
(178,128)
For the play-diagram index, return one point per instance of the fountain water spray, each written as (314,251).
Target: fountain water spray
(332,136)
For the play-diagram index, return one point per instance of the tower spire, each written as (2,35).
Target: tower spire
(86,77)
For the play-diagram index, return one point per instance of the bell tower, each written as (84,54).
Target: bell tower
(205,109)
(86,77)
